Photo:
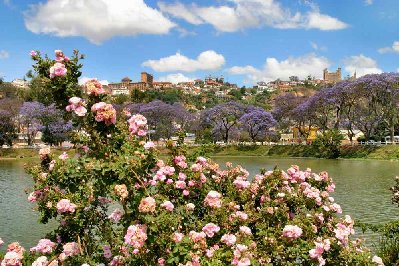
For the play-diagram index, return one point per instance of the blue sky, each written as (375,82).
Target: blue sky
(244,40)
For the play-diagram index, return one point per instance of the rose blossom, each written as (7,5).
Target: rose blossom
(77,105)
(212,199)
(40,261)
(33,53)
(245,230)
(11,258)
(65,205)
(63,156)
(138,125)
(43,153)
(190,206)
(149,145)
(147,205)
(292,232)
(71,249)
(168,205)
(94,87)
(177,237)
(378,261)
(210,229)
(136,235)
(44,246)
(57,70)
(104,113)
(229,239)
(121,191)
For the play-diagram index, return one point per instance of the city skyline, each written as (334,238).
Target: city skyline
(246,41)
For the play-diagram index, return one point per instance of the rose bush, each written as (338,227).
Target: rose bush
(118,203)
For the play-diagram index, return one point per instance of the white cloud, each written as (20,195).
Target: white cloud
(393,48)
(83,80)
(176,78)
(4,54)
(309,64)
(363,65)
(96,20)
(242,14)
(208,60)
(368,2)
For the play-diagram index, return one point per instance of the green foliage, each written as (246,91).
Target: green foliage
(328,144)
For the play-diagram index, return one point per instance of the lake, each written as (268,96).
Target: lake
(362,189)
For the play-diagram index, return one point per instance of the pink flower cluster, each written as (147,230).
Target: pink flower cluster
(197,237)
(65,205)
(292,232)
(136,236)
(104,113)
(70,249)
(210,229)
(241,183)
(14,255)
(58,70)
(229,239)
(44,246)
(317,252)
(343,230)
(147,205)
(138,125)
(213,199)
(77,105)
(240,258)
(94,87)
(180,161)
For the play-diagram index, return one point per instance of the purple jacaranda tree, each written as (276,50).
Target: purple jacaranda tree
(257,123)
(35,117)
(223,118)
(375,96)
(7,128)
(283,110)
(29,122)
(163,119)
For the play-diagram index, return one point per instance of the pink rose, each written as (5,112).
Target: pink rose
(168,205)
(58,70)
(292,232)
(65,205)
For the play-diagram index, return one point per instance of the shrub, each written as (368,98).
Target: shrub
(117,203)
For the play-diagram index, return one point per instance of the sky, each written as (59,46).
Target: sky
(246,41)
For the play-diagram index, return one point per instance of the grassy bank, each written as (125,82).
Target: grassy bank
(383,152)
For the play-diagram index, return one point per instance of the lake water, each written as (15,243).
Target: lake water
(362,189)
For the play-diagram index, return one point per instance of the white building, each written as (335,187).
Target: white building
(20,83)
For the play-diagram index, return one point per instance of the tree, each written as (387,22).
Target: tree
(223,118)
(7,128)
(163,118)
(35,117)
(257,123)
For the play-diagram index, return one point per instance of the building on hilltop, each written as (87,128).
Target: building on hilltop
(126,84)
(147,78)
(332,77)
